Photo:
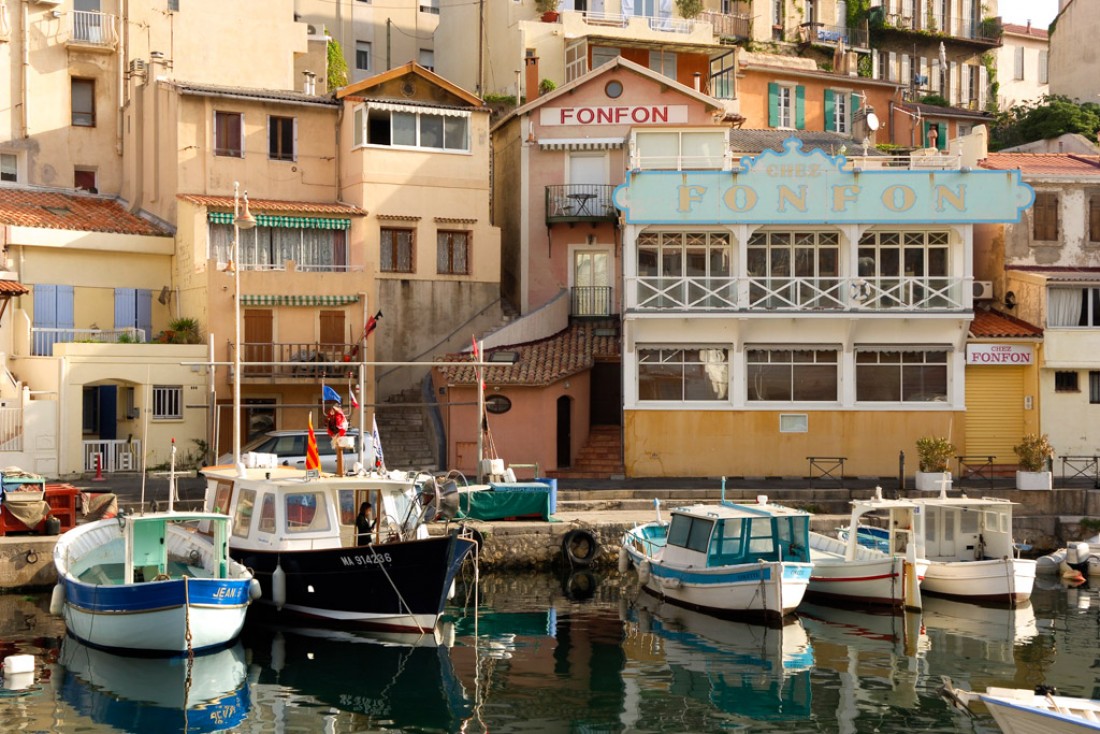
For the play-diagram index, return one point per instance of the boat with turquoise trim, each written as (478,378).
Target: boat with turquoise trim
(725,559)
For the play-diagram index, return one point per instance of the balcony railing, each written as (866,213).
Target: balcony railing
(833,35)
(666,23)
(796,294)
(43,338)
(112,455)
(986,31)
(293,360)
(736,25)
(591,300)
(580,203)
(93,29)
(11,429)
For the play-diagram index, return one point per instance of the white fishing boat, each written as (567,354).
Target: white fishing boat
(159,583)
(296,530)
(887,573)
(971,552)
(725,559)
(1020,711)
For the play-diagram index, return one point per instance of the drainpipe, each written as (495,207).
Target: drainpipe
(24,79)
(121,76)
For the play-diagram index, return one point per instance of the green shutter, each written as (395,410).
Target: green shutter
(830,111)
(773,104)
(855,103)
(941,140)
(800,107)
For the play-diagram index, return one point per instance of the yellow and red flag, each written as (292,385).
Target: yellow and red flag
(313,457)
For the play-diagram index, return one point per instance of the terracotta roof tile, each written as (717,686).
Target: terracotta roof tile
(1026,30)
(546,361)
(264,206)
(997,325)
(1064,164)
(13,288)
(77,212)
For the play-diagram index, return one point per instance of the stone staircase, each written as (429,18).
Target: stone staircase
(600,458)
(405,433)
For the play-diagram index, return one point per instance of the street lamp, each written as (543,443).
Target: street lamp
(241,220)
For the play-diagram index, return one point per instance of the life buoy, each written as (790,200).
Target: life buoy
(580,547)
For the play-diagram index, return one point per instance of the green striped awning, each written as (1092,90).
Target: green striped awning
(272,220)
(314,300)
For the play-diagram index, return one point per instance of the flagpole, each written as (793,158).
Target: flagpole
(480,413)
(362,417)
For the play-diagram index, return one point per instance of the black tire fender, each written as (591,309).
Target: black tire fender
(580,547)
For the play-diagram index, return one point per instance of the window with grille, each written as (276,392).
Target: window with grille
(1065,381)
(167,402)
(1044,216)
(281,138)
(453,253)
(228,134)
(83,102)
(395,250)
(683,375)
(792,269)
(792,375)
(893,375)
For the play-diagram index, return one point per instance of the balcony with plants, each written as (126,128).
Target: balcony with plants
(982,33)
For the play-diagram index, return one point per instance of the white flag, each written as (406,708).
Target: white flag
(376,444)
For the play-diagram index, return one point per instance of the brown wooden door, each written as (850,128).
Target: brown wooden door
(258,335)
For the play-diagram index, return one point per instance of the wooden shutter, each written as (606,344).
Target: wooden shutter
(800,107)
(258,334)
(1045,216)
(773,104)
(332,328)
(830,111)
(1094,218)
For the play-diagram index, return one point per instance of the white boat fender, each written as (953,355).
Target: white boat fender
(254,590)
(624,561)
(278,586)
(18,672)
(278,652)
(643,572)
(57,600)
(579,547)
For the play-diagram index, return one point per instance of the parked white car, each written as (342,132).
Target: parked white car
(290,447)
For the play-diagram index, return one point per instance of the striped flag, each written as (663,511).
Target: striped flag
(376,444)
(313,457)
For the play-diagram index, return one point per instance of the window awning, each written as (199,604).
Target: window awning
(412,108)
(274,220)
(308,300)
(580,143)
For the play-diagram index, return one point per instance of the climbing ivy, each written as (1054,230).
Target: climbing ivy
(337,66)
(989,61)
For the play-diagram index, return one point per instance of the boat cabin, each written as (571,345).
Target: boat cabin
(964,529)
(731,534)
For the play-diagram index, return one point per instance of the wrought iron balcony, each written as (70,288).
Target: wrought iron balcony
(702,294)
(293,360)
(733,26)
(832,35)
(591,301)
(987,31)
(580,203)
(93,29)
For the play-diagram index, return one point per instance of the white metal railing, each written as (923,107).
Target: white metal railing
(796,294)
(11,429)
(97,29)
(854,159)
(111,455)
(43,338)
(656,23)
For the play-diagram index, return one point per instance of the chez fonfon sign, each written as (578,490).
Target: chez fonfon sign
(813,187)
(998,354)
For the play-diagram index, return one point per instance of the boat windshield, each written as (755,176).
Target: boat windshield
(690,532)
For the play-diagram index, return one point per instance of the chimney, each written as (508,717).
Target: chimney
(698,82)
(531,77)
(309,86)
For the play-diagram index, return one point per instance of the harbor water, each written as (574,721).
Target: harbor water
(585,653)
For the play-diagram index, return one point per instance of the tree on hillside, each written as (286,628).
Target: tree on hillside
(1047,117)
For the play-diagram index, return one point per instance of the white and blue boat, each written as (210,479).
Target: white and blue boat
(726,559)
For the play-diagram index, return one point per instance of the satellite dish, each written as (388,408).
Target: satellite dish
(872,121)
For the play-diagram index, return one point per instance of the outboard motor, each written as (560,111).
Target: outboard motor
(1077,556)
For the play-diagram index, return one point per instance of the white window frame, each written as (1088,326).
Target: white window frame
(785,102)
(167,402)
(842,117)
(363,46)
(362,116)
(9,167)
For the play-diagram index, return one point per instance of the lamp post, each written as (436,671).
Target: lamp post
(241,221)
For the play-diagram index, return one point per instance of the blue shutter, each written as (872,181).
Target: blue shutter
(45,317)
(800,107)
(145,311)
(773,104)
(125,308)
(830,111)
(65,313)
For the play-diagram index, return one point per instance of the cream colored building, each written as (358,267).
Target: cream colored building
(1072,56)
(1022,65)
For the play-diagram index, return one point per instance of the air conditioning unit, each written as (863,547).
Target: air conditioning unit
(983,290)
(137,66)
(311,30)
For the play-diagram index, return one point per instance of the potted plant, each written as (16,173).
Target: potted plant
(549,10)
(934,460)
(1034,453)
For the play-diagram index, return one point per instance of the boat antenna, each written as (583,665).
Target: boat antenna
(172,478)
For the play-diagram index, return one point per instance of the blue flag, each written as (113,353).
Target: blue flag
(330,395)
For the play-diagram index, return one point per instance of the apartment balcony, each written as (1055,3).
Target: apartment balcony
(618,27)
(983,33)
(736,26)
(275,362)
(92,31)
(837,294)
(43,338)
(592,301)
(574,203)
(823,34)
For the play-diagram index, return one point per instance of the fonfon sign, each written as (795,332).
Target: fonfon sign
(1008,354)
(816,188)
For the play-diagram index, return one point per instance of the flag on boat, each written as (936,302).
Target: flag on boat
(313,457)
(368,329)
(376,444)
(329,395)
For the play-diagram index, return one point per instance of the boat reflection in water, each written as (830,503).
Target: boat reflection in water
(208,693)
(961,631)
(750,671)
(398,681)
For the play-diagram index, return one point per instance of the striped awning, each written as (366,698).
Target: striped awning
(421,109)
(580,143)
(272,220)
(311,300)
